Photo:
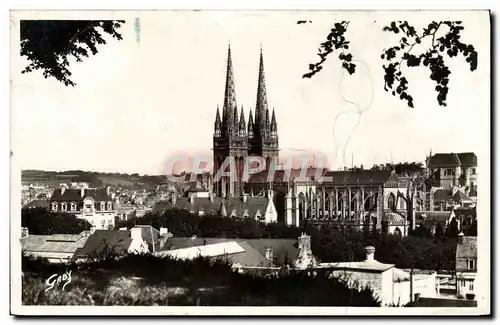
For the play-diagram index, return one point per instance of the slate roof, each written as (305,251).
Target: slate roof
(361,177)
(74,195)
(281,176)
(67,243)
(38,204)
(251,206)
(461,197)
(444,195)
(196,187)
(441,195)
(255,249)
(433,216)
(468,248)
(116,241)
(464,159)
(374,266)
(467,159)
(394,218)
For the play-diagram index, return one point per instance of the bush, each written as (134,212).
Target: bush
(149,280)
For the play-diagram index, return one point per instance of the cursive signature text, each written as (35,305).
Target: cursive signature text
(56,280)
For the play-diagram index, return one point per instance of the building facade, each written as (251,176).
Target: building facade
(453,169)
(94,205)
(236,139)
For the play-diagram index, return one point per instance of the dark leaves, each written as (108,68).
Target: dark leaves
(431,58)
(335,41)
(48,44)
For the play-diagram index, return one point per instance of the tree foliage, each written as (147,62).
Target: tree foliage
(49,44)
(40,221)
(96,283)
(444,39)
(420,250)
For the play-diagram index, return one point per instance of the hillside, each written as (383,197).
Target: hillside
(96,179)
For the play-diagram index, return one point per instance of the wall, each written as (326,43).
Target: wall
(53,257)
(271,214)
(362,279)
(423,284)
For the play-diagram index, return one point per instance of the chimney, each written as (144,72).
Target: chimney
(461,238)
(24,232)
(244,197)
(304,242)
(370,253)
(108,190)
(63,188)
(163,236)
(82,192)
(136,234)
(269,254)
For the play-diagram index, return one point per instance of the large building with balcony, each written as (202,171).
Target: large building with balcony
(94,205)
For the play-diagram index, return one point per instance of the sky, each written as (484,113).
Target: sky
(154,94)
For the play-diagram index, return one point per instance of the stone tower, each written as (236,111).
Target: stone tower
(234,138)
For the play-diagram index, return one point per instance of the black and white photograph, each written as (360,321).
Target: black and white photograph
(250,162)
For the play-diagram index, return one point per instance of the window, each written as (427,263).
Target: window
(88,208)
(110,206)
(449,172)
(73,206)
(102,206)
(471,264)
(63,206)
(473,171)
(471,285)
(462,283)
(54,206)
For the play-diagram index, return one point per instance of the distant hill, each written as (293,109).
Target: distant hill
(95,179)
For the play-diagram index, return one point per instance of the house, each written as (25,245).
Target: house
(38,203)
(453,169)
(94,205)
(103,243)
(433,220)
(443,199)
(466,266)
(390,285)
(260,208)
(57,248)
(243,254)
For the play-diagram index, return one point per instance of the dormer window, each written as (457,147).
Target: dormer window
(73,206)
(54,206)
(103,206)
(110,206)
(63,206)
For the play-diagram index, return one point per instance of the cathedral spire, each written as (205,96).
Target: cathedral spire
(261,105)
(217,124)
(274,125)
(250,124)
(266,123)
(229,98)
(243,124)
(236,123)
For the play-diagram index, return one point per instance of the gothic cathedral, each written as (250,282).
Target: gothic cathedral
(233,137)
